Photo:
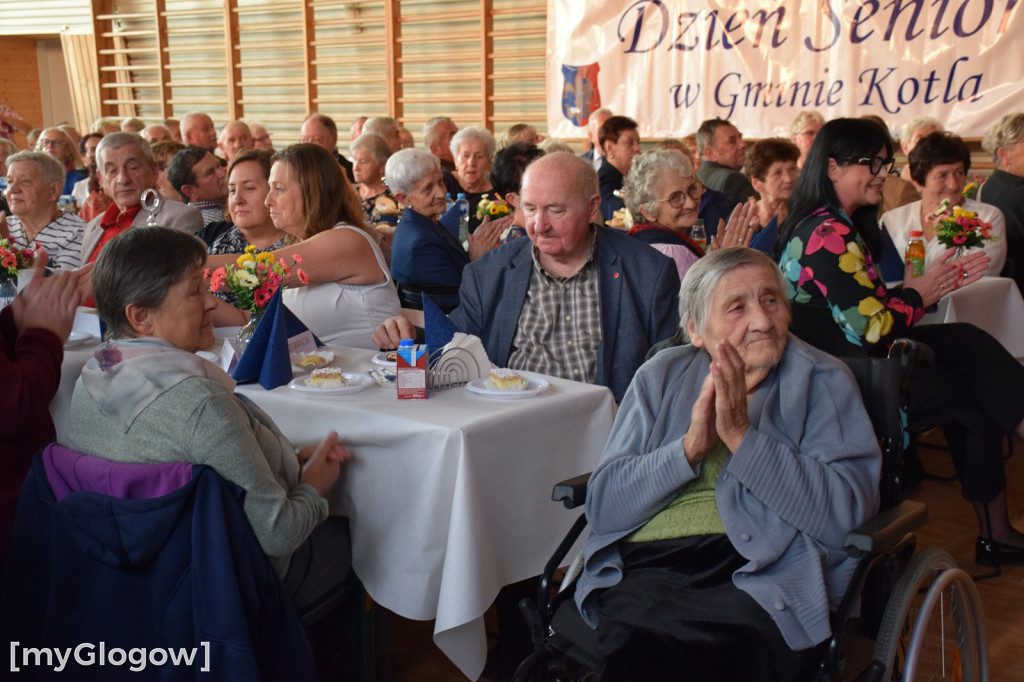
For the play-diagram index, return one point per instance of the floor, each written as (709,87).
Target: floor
(951,525)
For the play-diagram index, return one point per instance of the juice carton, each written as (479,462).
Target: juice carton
(411,370)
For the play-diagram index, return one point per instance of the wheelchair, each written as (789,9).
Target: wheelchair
(905,616)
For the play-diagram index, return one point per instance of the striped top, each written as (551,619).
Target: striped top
(62,239)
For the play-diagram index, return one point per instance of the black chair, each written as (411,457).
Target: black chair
(565,646)
(411,296)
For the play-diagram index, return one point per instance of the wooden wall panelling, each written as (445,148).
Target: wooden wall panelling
(163,69)
(235,107)
(393,59)
(487,64)
(309,55)
(80,59)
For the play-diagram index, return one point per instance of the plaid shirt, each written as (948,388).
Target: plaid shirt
(559,328)
(212,210)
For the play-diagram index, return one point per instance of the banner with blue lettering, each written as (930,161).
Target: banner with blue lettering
(671,64)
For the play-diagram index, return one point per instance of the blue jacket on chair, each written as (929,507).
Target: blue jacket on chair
(171,567)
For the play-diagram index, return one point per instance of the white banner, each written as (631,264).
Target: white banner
(670,64)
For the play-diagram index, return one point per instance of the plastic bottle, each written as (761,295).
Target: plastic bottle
(463,218)
(448,203)
(914,257)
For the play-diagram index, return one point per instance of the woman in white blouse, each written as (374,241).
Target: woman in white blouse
(938,165)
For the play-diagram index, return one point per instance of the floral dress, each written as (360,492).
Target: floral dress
(826,264)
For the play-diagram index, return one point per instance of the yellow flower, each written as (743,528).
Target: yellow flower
(265,257)
(245,261)
(960,212)
(879,319)
(250,249)
(853,261)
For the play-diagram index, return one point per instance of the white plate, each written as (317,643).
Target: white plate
(382,359)
(76,339)
(532,385)
(356,383)
(327,355)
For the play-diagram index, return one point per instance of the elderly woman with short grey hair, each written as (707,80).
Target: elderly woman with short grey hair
(426,256)
(663,195)
(370,152)
(736,466)
(1004,189)
(34,184)
(473,149)
(145,396)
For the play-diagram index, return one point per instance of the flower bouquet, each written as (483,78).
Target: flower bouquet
(495,208)
(12,259)
(971,188)
(253,279)
(961,229)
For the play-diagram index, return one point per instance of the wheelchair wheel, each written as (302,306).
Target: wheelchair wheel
(932,627)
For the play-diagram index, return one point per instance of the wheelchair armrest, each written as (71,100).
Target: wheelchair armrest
(572,492)
(886,528)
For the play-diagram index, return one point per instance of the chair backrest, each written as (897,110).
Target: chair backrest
(880,381)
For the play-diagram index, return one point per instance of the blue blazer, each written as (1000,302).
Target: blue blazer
(638,286)
(425,253)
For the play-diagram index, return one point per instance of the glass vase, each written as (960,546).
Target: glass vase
(244,335)
(8,290)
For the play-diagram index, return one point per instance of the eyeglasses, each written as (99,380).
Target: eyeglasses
(56,144)
(875,164)
(676,199)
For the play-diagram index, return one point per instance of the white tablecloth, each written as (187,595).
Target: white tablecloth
(993,304)
(449,498)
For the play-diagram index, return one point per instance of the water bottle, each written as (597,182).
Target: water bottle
(463,218)
(914,257)
(448,203)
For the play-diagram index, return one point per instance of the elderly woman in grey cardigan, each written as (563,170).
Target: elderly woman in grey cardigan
(736,466)
(145,396)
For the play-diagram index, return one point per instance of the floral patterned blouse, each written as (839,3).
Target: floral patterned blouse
(827,264)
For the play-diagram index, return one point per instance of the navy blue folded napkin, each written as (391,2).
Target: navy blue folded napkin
(438,330)
(266,358)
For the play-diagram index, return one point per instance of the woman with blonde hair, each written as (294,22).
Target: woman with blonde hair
(59,145)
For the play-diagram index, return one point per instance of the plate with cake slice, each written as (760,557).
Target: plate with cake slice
(330,381)
(508,384)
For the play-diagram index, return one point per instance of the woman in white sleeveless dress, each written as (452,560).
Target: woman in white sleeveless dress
(349,290)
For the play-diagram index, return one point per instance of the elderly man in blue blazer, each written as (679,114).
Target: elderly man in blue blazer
(576,300)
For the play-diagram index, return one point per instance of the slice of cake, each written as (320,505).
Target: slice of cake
(505,379)
(326,377)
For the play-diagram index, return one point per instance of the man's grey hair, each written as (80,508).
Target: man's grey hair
(51,169)
(642,181)
(380,125)
(378,147)
(430,135)
(117,140)
(701,280)
(706,132)
(478,133)
(1004,133)
(407,167)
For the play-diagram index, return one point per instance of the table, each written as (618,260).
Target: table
(449,498)
(993,304)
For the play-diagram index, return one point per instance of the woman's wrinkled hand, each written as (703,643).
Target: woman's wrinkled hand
(730,377)
(743,222)
(322,467)
(946,275)
(48,302)
(486,235)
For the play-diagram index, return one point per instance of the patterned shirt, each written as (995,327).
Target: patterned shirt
(212,211)
(382,208)
(559,329)
(62,239)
